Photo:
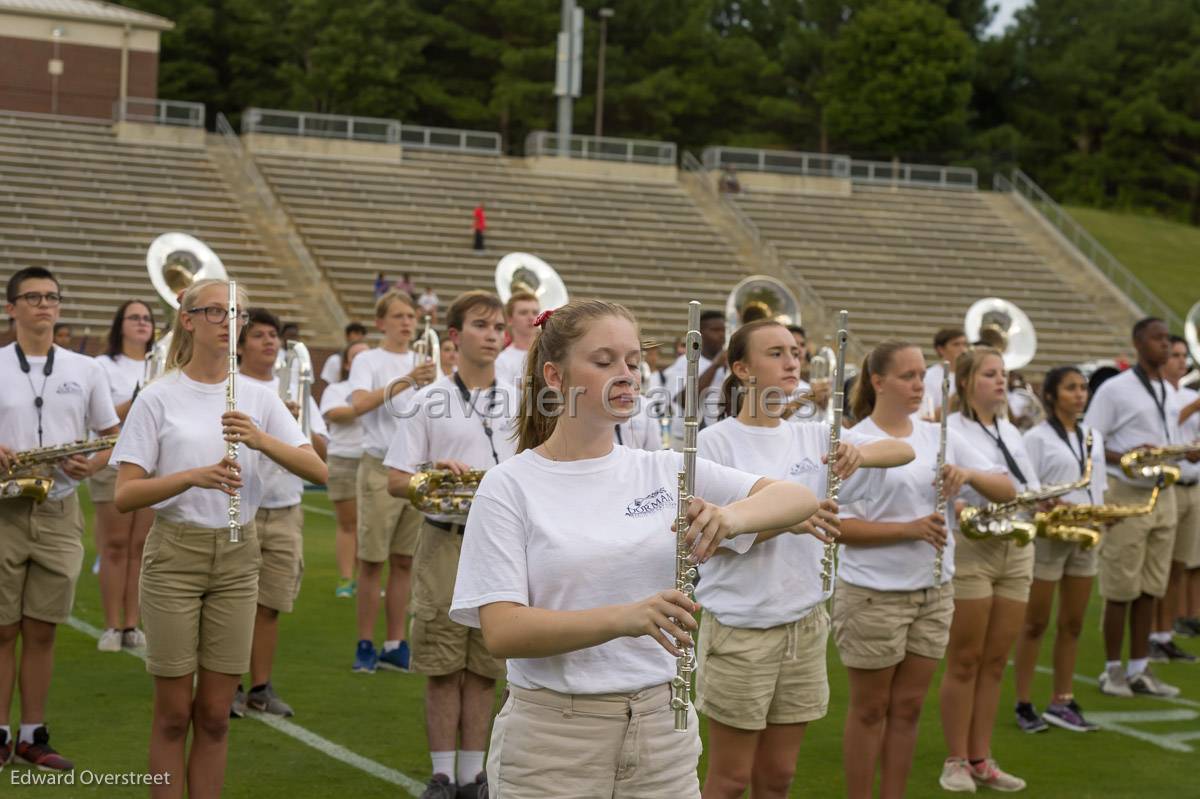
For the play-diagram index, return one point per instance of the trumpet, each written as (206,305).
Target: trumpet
(832,482)
(1067,522)
(29,473)
(441,491)
(428,347)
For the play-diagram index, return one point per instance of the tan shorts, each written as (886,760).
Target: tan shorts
(751,678)
(1187,526)
(281,539)
(441,646)
(198,594)
(877,629)
(1135,553)
(547,745)
(102,486)
(983,569)
(387,525)
(41,551)
(1052,559)
(343,478)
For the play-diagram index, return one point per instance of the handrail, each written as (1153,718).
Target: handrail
(603,148)
(325,126)
(1040,203)
(455,140)
(900,173)
(159,112)
(785,161)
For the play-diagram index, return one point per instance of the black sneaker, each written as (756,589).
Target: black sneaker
(6,749)
(1175,654)
(1188,628)
(474,790)
(440,787)
(1158,654)
(1028,719)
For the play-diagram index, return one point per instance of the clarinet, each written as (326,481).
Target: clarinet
(685,570)
(939,479)
(832,482)
(235,500)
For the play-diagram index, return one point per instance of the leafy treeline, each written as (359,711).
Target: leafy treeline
(1098,99)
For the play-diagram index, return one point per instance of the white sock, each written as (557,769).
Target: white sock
(1112,664)
(443,763)
(1160,638)
(26,735)
(1137,666)
(388,646)
(469,766)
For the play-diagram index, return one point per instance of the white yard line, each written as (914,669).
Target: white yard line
(316,510)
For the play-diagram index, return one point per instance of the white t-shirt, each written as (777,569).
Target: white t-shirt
(281,488)
(983,441)
(907,494)
(1189,431)
(709,399)
(1057,461)
(345,440)
(779,580)
(428,301)
(445,427)
(372,370)
(933,389)
(75,401)
(175,425)
(510,365)
(124,375)
(640,431)
(1125,414)
(578,535)
(331,371)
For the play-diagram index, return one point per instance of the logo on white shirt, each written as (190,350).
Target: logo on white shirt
(653,502)
(804,466)
(70,387)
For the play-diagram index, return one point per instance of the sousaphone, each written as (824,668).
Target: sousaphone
(1002,324)
(1191,332)
(760,297)
(520,271)
(174,262)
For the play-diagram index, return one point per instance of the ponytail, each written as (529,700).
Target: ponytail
(877,362)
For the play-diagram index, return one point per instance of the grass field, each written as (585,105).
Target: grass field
(1164,254)
(100,717)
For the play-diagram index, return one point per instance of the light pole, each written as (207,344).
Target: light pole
(605,16)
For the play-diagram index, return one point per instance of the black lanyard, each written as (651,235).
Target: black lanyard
(1081,458)
(1008,457)
(617,430)
(487,417)
(1161,404)
(47,369)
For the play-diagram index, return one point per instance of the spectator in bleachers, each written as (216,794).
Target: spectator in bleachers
(405,284)
(428,301)
(729,183)
(331,371)
(381,286)
(62,335)
(479,226)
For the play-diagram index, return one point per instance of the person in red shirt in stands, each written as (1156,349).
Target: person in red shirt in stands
(480,226)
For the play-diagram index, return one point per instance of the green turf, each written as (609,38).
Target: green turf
(1164,254)
(100,716)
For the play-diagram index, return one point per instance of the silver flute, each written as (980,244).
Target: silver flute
(833,483)
(685,570)
(939,479)
(235,499)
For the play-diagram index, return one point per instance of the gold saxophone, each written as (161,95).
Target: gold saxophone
(29,474)
(1070,522)
(442,492)
(1151,462)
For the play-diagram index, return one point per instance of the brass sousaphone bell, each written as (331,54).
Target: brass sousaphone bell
(520,271)
(1002,324)
(174,262)
(760,297)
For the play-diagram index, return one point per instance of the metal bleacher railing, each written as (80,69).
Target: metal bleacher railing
(792,162)
(325,126)
(159,112)
(603,148)
(453,140)
(1037,202)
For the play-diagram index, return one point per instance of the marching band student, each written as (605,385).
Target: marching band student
(763,634)
(334,367)
(1132,410)
(279,523)
(121,536)
(991,585)
(53,396)
(641,430)
(449,356)
(585,611)
(387,526)
(461,422)
(199,590)
(1057,449)
(519,313)
(949,343)
(891,612)
(712,369)
(343,454)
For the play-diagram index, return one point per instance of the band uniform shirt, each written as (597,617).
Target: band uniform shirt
(444,427)
(777,581)
(372,370)
(907,493)
(983,441)
(933,388)
(1127,416)
(510,366)
(345,439)
(76,400)
(577,535)
(124,374)
(175,425)
(640,431)
(281,488)
(1055,462)
(708,401)
(331,370)
(1189,431)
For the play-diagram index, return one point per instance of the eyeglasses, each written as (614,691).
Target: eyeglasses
(50,299)
(217,314)
(140,318)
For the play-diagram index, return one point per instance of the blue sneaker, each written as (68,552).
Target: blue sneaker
(396,659)
(365,657)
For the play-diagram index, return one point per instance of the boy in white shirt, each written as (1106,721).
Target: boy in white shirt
(52,396)
(519,313)
(949,343)
(331,372)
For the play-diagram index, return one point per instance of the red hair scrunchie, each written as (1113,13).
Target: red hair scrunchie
(543,317)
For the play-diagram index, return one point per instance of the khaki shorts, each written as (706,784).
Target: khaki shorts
(343,478)
(1187,526)
(102,486)
(387,525)
(877,629)
(281,540)
(751,678)
(1135,553)
(41,551)
(547,745)
(1052,559)
(198,594)
(983,569)
(441,646)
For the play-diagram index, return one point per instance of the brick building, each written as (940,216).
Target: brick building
(76,57)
